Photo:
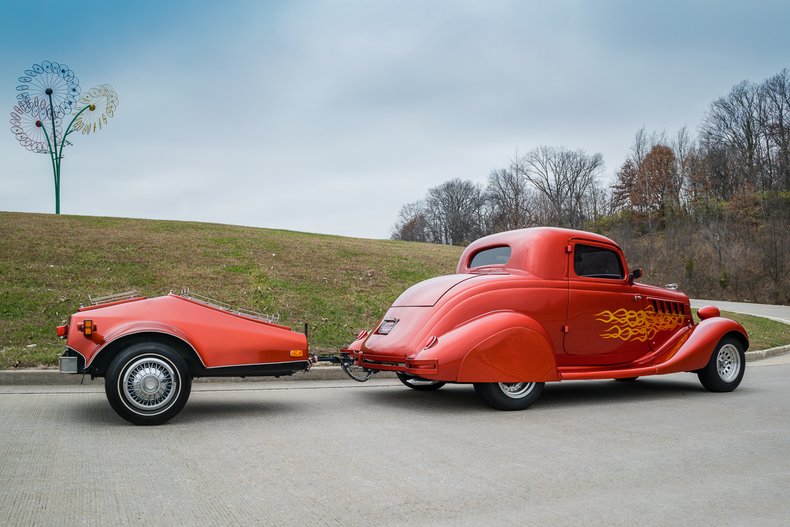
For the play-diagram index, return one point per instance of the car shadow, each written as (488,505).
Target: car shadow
(456,398)
(570,394)
(585,393)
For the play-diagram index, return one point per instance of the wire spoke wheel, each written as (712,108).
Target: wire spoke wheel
(149,384)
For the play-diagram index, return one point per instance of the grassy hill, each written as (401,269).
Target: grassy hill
(50,264)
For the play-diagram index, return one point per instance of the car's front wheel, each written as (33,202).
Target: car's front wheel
(148,383)
(725,368)
(509,395)
(418,383)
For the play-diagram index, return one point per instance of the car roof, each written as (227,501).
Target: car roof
(538,250)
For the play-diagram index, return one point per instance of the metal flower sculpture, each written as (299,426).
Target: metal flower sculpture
(48,94)
(102,101)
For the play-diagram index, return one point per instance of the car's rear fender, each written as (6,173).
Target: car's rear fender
(503,346)
(696,351)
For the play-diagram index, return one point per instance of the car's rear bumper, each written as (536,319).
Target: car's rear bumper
(385,362)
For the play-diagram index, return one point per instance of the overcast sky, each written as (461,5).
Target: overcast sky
(329,116)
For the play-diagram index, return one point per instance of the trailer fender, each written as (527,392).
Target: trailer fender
(139,327)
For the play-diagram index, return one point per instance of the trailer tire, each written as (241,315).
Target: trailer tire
(148,383)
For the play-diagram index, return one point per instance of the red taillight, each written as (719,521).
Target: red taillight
(362,334)
(63,331)
(431,342)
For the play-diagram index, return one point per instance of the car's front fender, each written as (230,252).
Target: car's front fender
(695,352)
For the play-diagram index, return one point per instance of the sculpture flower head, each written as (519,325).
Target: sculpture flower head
(50,81)
(28,119)
(102,102)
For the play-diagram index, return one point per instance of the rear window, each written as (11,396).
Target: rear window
(491,256)
(596,262)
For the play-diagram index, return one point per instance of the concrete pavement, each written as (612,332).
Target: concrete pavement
(660,451)
(780,313)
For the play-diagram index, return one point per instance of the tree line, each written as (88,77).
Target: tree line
(710,212)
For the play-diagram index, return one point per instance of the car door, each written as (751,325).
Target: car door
(607,317)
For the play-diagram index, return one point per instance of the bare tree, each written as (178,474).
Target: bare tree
(510,200)
(564,178)
(731,124)
(454,212)
(411,224)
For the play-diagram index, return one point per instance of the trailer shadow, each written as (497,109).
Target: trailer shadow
(218,411)
(98,412)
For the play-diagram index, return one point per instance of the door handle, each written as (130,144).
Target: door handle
(637,298)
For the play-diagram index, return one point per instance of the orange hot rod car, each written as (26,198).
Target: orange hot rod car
(148,350)
(536,305)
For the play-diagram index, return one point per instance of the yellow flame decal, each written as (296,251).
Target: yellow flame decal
(628,325)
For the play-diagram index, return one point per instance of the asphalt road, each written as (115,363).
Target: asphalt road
(780,313)
(656,452)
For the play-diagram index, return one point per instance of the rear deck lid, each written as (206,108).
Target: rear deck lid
(429,292)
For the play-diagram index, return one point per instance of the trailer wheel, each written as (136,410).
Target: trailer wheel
(148,383)
(418,383)
(725,368)
(509,396)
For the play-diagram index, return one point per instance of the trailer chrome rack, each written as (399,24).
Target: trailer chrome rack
(117,297)
(186,293)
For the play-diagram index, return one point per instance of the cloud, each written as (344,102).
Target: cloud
(328,117)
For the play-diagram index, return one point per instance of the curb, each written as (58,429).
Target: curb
(764,354)
(54,377)
(316,373)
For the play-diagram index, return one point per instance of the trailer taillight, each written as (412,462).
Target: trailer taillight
(87,327)
(63,331)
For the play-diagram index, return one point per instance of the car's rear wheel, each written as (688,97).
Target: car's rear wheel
(148,383)
(725,368)
(509,396)
(418,383)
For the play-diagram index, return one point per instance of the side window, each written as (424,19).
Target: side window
(597,262)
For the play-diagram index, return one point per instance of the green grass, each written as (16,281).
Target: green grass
(763,333)
(50,264)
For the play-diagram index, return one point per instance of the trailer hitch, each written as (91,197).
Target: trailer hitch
(345,358)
